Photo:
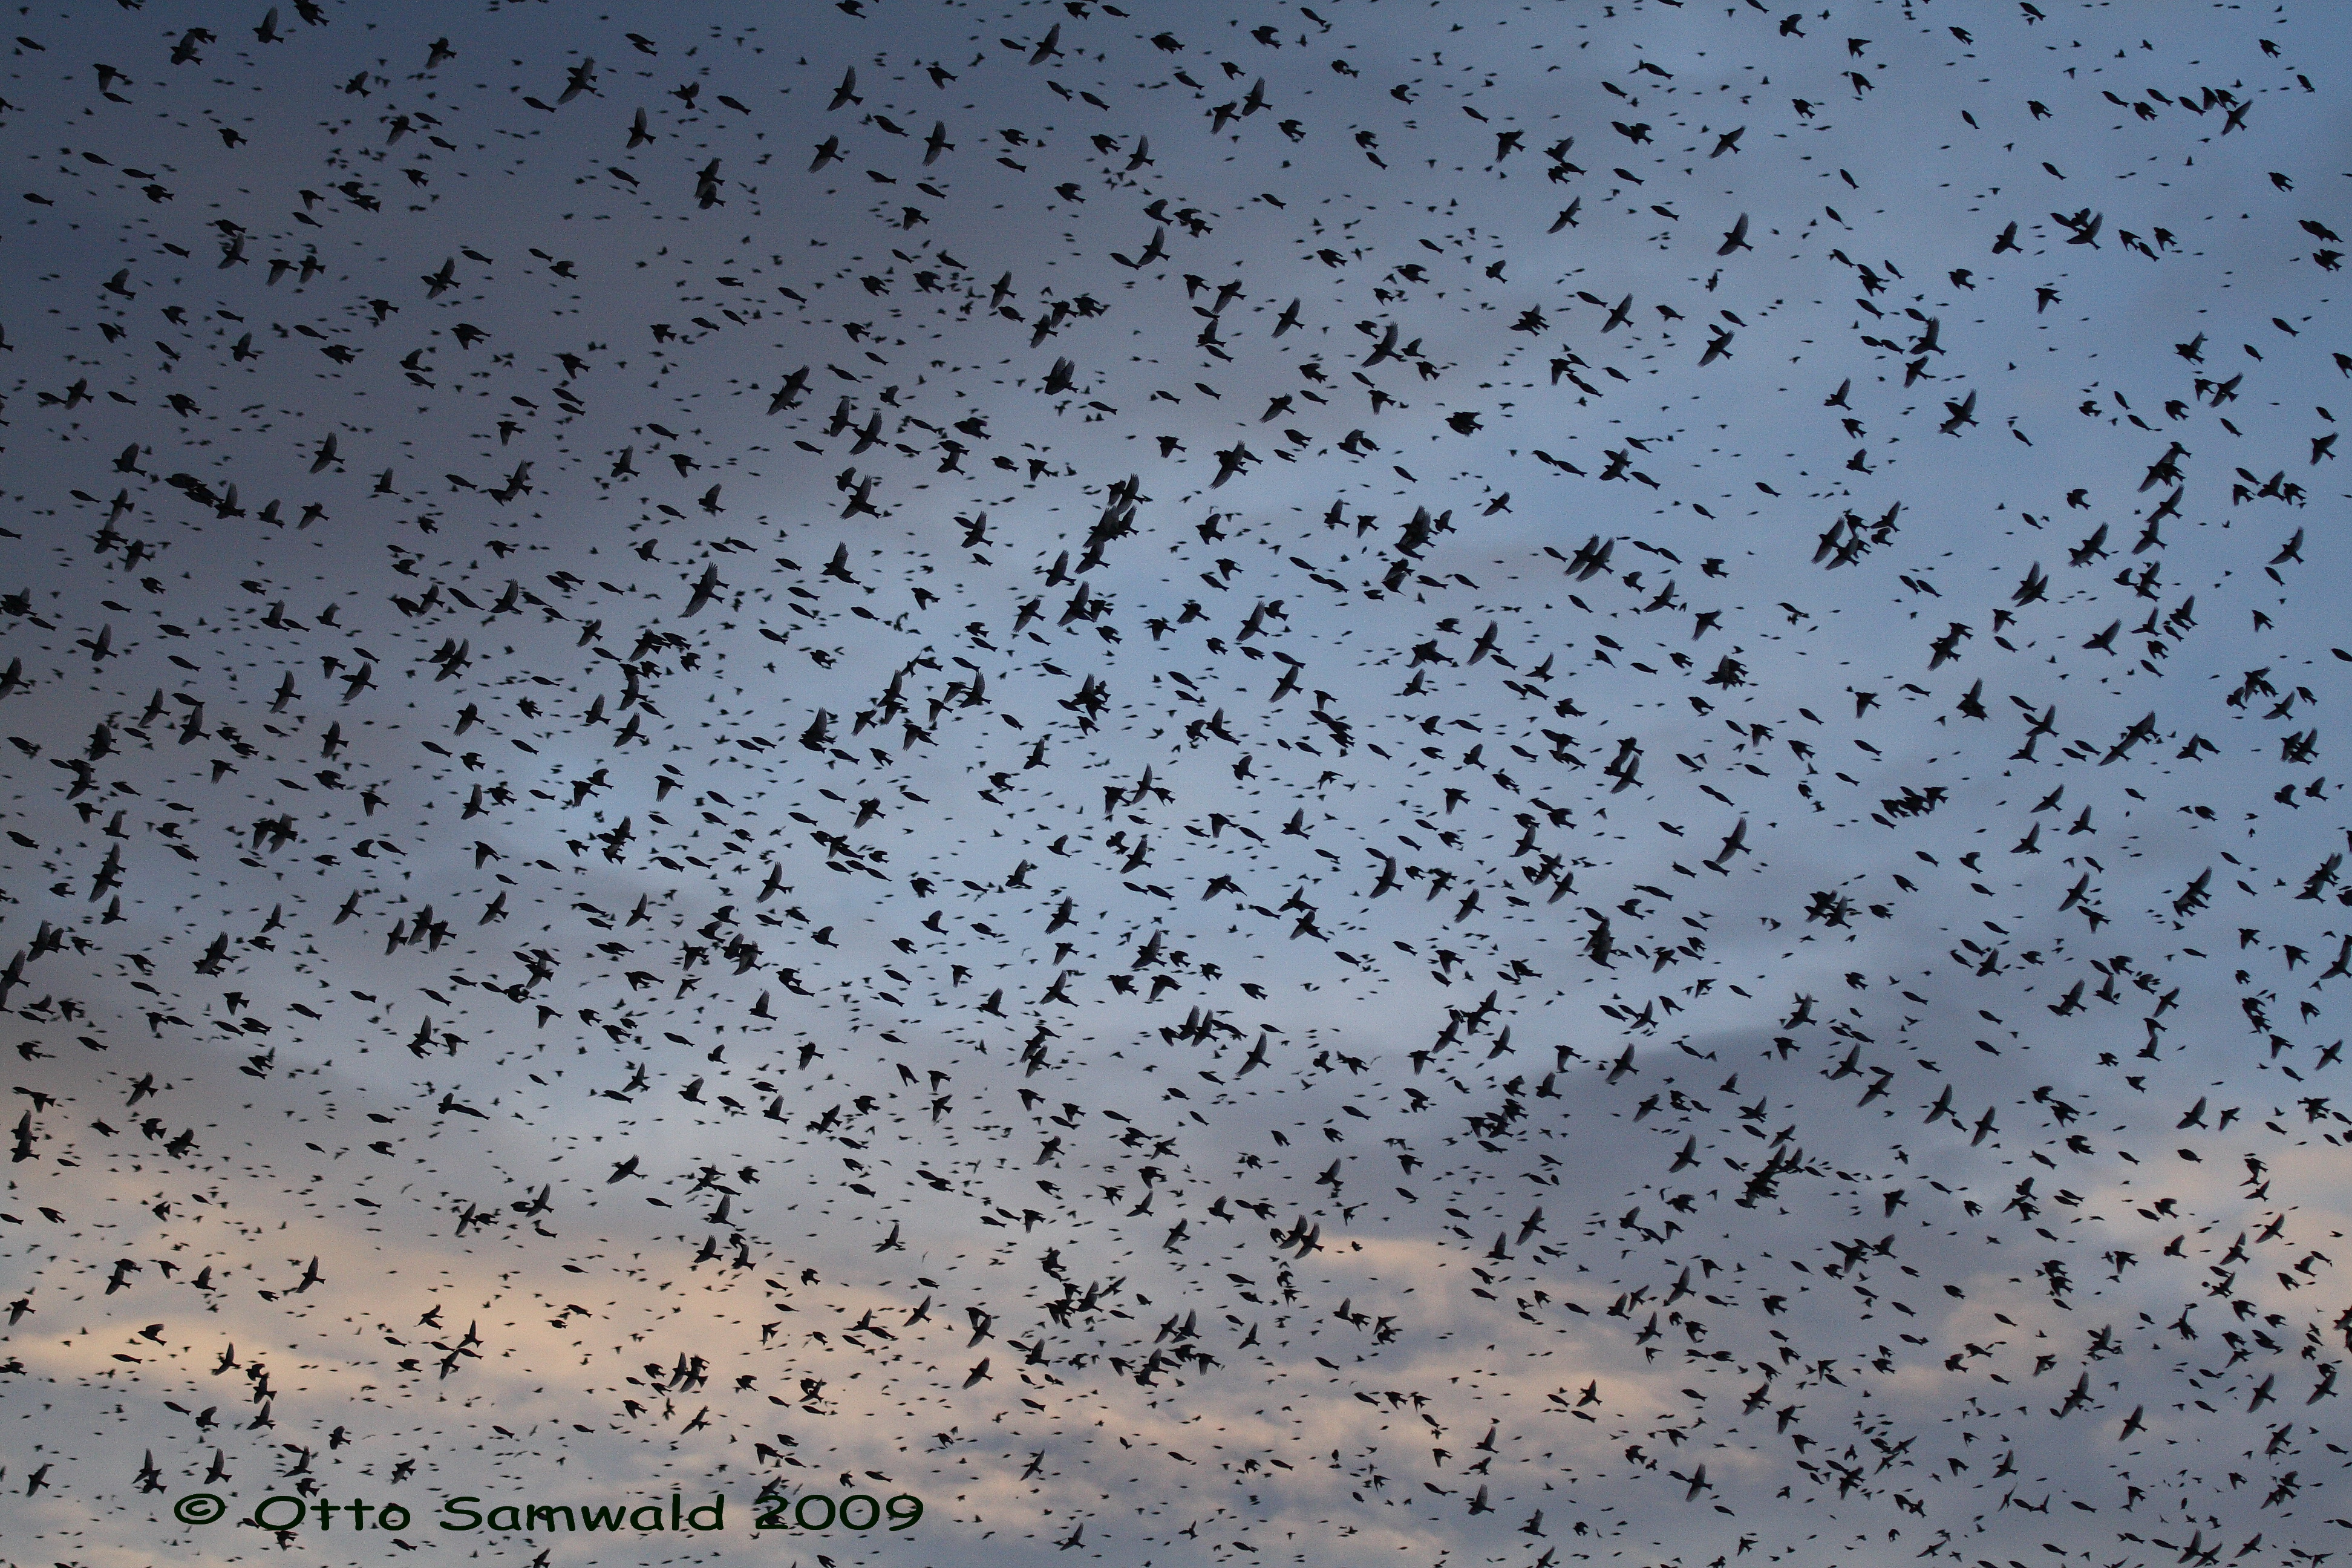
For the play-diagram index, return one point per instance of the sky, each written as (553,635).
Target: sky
(1161,774)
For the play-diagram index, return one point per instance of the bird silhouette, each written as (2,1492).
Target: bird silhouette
(406,660)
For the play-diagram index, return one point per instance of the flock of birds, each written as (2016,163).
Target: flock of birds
(563,571)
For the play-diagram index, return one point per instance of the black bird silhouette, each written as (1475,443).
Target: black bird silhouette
(1115,734)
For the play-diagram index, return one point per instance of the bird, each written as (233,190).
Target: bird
(1151,634)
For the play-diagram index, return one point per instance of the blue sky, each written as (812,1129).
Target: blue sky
(1357,686)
